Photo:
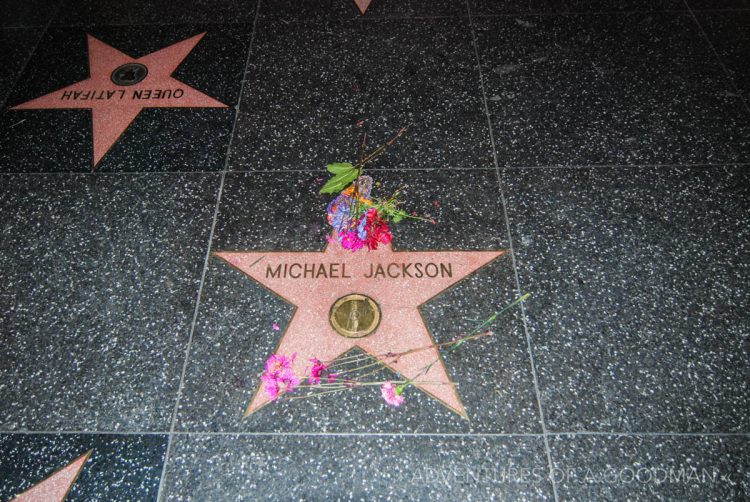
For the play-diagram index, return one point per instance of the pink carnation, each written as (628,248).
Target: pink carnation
(271,386)
(391,394)
(279,377)
(277,364)
(350,240)
(317,370)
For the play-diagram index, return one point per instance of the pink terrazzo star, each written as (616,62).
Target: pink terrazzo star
(363,5)
(394,284)
(56,487)
(114,106)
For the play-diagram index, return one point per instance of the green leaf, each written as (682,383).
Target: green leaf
(339,182)
(339,167)
(399,215)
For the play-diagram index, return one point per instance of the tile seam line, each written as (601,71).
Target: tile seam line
(529,350)
(579,13)
(729,76)
(44,29)
(24,27)
(366,19)
(236,23)
(383,434)
(196,309)
(248,171)
(189,22)
(384,169)
(605,12)
(163,477)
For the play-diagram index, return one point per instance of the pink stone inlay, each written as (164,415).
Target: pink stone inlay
(114,106)
(56,487)
(363,5)
(314,281)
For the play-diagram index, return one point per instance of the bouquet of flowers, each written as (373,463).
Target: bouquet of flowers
(358,220)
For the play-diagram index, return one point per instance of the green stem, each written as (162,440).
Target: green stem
(462,340)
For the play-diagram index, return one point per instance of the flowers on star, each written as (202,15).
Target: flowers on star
(352,371)
(320,370)
(279,377)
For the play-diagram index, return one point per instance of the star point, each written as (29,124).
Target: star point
(363,5)
(57,486)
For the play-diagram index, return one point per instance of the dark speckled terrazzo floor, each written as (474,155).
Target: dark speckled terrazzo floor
(605,143)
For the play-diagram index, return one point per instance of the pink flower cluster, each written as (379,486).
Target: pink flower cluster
(370,231)
(391,394)
(351,241)
(319,370)
(279,377)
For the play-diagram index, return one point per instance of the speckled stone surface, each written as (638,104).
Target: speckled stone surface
(321,10)
(100,277)
(639,309)
(16,45)
(121,467)
(358,468)
(612,89)
(494,7)
(623,146)
(718,4)
(234,336)
(308,85)
(729,33)
(138,12)
(158,139)
(652,467)
(17,13)
(301,10)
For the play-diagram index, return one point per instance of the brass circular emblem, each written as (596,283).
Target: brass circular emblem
(129,74)
(355,316)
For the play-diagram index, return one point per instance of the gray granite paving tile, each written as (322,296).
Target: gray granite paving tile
(16,45)
(729,32)
(612,89)
(718,4)
(357,468)
(24,13)
(234,336)
(135,12)
(639,308)
(652,467)
(493,7)
(158,139)
(121,467)
(100,277)
(310,85)
(321,10)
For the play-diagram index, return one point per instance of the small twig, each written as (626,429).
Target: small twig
(382,148)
